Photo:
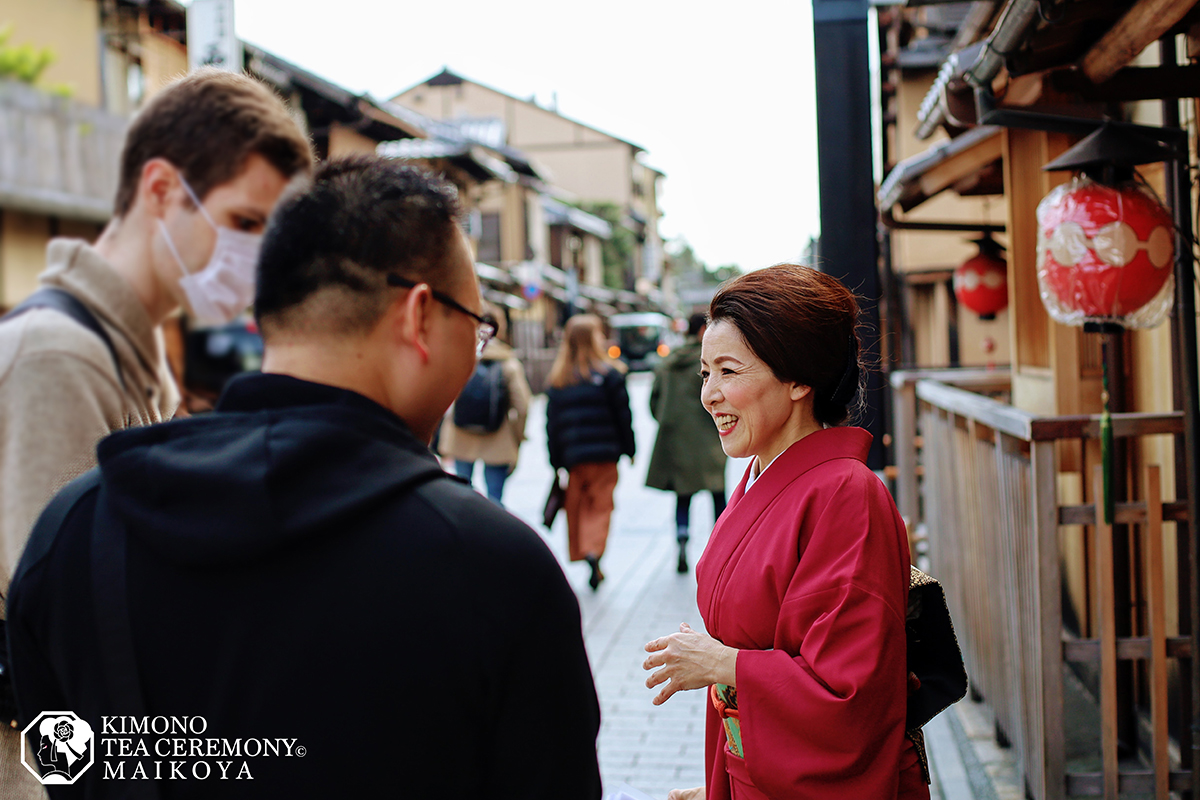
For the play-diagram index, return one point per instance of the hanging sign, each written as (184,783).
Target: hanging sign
(212,41)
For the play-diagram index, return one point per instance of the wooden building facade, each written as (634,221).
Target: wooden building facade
(1079,633)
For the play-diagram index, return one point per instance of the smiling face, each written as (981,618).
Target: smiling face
(756,413)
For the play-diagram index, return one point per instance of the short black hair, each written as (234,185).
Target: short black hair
(696,322)
(360,218)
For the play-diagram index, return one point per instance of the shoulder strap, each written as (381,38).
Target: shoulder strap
(55,514)
(40,541)
(66,303)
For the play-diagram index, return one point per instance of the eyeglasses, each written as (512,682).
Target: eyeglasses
(487,323)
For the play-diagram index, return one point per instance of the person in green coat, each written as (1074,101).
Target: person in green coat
(687,455)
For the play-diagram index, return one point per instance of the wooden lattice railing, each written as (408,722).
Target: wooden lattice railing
(991,521)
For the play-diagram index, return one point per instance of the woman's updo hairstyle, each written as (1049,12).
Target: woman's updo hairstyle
(801,323)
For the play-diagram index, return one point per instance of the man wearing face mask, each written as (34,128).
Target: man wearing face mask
(203,165)
(297,564)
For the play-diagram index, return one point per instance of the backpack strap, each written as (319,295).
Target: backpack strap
(47,527)
(66,303)
(41,539)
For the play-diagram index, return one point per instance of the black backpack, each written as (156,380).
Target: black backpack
(483,405)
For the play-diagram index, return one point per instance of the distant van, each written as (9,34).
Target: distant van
(641,339)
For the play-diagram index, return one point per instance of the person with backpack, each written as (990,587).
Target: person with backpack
(487,421)
(204,164)
(589,426)
(296,566)
(687,456)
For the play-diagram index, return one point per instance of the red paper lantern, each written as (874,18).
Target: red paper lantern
(1105,254)
(981,283)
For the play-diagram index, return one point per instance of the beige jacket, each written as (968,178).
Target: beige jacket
(59,392)
(501,446)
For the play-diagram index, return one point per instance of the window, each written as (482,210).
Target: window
(489,237)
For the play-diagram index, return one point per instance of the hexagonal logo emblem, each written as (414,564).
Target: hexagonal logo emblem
(58,747)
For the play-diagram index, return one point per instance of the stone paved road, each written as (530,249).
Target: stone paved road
(653,749)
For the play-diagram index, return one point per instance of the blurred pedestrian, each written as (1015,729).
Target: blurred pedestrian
(297,563)
(687,456)
(203,165)
(487,421)
(803,586)
(588,428)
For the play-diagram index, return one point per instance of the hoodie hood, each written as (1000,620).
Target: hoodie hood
(280,460)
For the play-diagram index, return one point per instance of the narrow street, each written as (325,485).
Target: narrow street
(653,749)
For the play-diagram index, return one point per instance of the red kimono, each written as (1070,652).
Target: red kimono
(807,574)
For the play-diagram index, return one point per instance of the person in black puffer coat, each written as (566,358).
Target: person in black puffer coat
(588,428)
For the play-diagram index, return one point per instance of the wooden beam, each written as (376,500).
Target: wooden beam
(961,165)
(1048,616)
(926,276)
(1126,513)
(1132,83)
(1129,648)
(1126,424)
(1156,613)
(1106,627)
(1025,184)
(1145,22)
(1134,781)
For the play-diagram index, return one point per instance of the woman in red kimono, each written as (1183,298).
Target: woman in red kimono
(804,583)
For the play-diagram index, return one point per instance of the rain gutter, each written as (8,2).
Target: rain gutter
(915,166)
(1015,21)
(912,168)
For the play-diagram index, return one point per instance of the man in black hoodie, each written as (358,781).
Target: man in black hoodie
(288,597)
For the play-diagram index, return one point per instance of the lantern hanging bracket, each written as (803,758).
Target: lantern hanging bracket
(1102,326)
(888,219)
(988,113)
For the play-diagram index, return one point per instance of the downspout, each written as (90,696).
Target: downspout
(1008,34)
(1015,21)
(1179,189)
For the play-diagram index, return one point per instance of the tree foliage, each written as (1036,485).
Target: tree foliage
(684,261)
(618,252)
(24,62)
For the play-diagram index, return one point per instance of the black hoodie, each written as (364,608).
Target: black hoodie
(300,571)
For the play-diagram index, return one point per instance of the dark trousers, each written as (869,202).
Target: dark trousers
(494,476)
(683,508)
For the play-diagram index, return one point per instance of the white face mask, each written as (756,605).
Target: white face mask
(224,288)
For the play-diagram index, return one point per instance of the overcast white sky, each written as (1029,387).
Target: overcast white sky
(721,97)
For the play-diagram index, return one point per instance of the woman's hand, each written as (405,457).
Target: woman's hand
(687,794)
(689,660)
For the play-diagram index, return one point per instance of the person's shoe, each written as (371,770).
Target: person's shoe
(597,576)
(682,566)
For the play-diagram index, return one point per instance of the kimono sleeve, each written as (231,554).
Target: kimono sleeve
(822,714)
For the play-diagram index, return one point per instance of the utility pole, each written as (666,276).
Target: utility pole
(848,216)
